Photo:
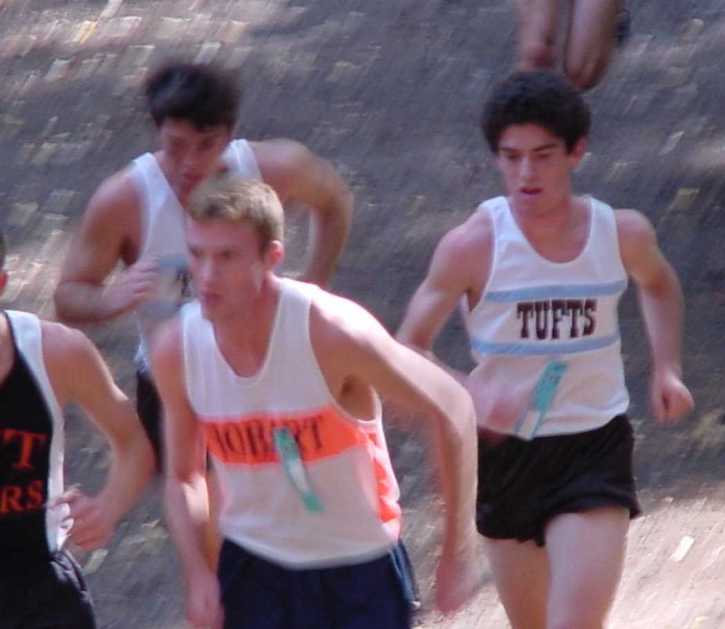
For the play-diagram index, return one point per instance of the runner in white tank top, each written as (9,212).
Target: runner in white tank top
(538,275)
(162,237)
(136,216)
(280,380)
(540,314)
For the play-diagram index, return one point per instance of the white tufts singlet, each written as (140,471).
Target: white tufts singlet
(551,329)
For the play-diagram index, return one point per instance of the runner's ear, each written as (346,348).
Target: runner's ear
(274,255)
(577,152)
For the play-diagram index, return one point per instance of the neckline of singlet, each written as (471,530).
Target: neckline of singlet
(255,378)
(169,189)
(579,256)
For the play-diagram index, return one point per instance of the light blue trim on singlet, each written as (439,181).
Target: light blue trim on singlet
(544,348)
(556,292)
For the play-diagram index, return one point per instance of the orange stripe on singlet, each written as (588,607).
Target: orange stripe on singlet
(249,439)
(388,507)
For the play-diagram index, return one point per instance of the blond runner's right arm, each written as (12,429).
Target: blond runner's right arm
(185,488)
(105,237)
(186,498)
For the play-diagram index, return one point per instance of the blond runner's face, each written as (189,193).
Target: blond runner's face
(536,168)
(227,267)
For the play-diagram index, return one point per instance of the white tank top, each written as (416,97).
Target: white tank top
(28,336)
(552,328)
(164,239)
(346,459)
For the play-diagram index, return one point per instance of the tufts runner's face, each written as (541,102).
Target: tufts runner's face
(536,168)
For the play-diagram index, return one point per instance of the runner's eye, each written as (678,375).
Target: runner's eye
(208,144)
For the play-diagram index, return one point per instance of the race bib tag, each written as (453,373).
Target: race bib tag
(545,389)
(289,455)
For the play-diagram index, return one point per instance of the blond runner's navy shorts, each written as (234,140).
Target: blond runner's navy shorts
(259,594)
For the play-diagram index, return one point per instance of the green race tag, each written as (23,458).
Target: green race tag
(289,455)
(545,389)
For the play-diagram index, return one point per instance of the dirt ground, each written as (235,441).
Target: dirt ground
(390,92)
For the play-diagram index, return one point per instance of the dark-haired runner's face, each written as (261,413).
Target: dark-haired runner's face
(536,168)
(190,156)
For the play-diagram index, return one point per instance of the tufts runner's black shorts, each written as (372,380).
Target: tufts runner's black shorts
(523,484)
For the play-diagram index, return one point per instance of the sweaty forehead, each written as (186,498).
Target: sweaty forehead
(528,137)
(183,129)
(219,233)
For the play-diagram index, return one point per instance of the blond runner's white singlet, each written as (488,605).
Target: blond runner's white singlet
(346,459)
(550,328)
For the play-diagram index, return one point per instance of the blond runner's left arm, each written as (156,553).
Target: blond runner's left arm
(365,352)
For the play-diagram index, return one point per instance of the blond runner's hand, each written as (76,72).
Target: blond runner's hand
(203,601)
(458,578)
